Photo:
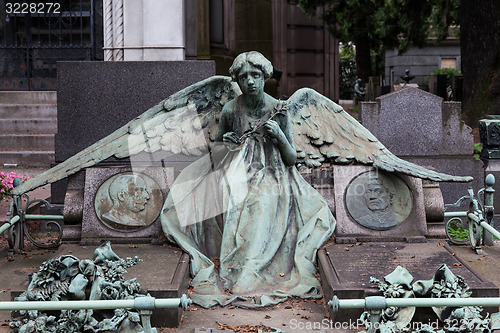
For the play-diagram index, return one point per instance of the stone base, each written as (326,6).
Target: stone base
(94,230)
(346,270)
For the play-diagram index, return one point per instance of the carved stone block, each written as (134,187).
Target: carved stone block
(374,205)
(121,202)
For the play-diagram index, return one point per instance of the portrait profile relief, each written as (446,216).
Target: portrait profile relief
(128,201)
(378,200)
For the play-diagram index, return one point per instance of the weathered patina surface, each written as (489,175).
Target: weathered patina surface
(250,222)
(128,201)
(378,201)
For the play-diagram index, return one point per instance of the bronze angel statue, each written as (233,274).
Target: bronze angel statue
(250,223)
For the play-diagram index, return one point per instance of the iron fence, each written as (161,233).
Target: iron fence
(34,35)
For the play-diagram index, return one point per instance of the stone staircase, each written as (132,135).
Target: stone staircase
(28,124)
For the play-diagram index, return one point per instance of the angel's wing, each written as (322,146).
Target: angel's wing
(182,123)
(324,132)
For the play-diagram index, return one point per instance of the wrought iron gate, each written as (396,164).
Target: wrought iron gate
(34,35)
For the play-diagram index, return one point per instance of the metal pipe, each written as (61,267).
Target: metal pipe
(97,304)
(490,229)
(43,217)
(380,302)
(455,214)
(485,225)
(9,224)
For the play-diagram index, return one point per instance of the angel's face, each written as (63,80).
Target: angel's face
(251,80)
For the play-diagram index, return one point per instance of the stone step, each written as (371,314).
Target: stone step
(22,142)
(22,111)
(43,159)
(28,97)
(28,126)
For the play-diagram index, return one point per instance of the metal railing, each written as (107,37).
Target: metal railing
(479,217)
(15,222)
(144,304)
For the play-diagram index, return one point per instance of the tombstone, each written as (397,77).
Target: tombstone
(98,98)
(120,200)
(423,129)
(384,210)
(382,222)
(372,238)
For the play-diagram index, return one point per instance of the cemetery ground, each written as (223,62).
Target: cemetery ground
(295,315)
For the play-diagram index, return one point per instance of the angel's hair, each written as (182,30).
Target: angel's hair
(254,58)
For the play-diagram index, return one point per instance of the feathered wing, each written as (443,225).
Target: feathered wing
(183,123)
(324,132)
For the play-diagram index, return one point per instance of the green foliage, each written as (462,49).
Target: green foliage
(347,67)
(458,232)
(449,72)
(385,24)
(478,147)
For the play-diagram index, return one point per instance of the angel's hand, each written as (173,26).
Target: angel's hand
(231,137)
(273,129)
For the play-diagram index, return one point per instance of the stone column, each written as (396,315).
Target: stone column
(144,30)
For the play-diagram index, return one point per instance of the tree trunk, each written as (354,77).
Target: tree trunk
(363,59)
(480,47)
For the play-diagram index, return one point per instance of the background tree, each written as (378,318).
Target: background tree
(347,68)
(480,43)
(376,25)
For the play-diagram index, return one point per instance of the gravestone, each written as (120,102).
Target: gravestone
(382,217)
(97,98)
(421,128)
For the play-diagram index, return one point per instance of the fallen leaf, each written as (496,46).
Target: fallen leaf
(457,264)
(267,317)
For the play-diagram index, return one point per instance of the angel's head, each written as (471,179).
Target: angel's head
(253,58)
